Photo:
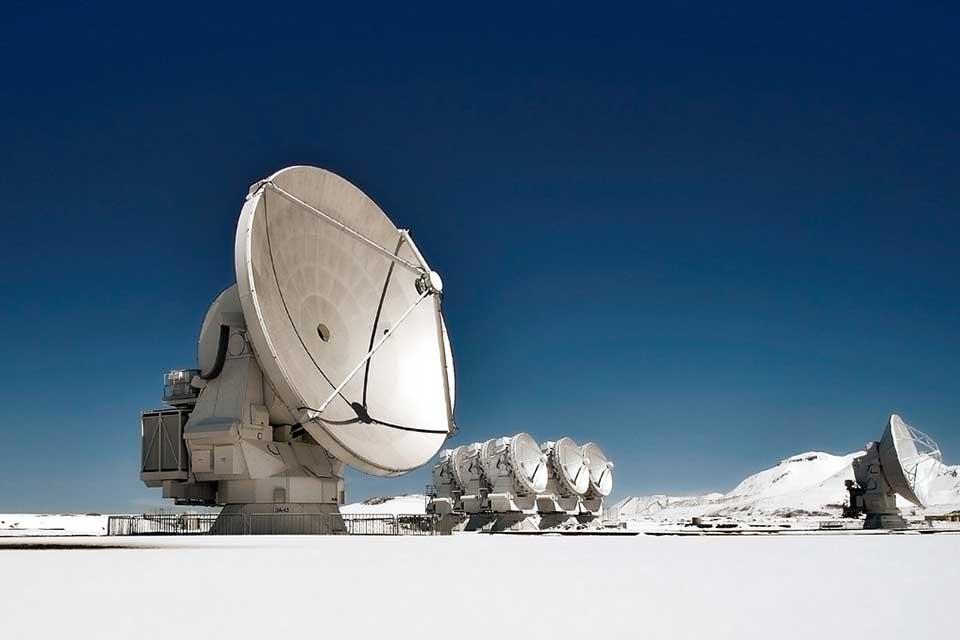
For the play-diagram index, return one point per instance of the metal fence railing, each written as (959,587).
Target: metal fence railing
(276,524)
(160,524)
(839,525)
(368,525)
(421,525)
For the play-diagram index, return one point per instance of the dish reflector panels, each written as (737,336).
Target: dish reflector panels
(325,280)
(528,462)
(910,460)
(519,455)
(570,466)
(601,470)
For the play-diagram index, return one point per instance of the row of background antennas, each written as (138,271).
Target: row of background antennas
(516,475)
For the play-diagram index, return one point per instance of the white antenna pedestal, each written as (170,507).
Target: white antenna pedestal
(468,468)
(445,492)
(872,495)
(516,472)
(252,467)
(567,482)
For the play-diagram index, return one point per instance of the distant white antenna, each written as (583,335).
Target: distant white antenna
(904,462)
(601,477)
(516,470)
(468,470)
(330,349)
(446,490)
(569,477)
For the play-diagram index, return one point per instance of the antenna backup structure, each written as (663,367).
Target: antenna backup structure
(330,350)
(903,462)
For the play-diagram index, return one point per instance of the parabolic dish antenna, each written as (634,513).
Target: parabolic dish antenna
(528,462)
(523,456)
(571,466)
(344,316)
(330,350)
(909,459)
(445,458)
(601,469)
(465,464)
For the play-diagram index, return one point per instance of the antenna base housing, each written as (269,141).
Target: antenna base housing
(885,521)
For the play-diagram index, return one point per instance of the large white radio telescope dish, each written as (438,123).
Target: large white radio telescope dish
(910,460)
(324,279)
(904,462)
(330,349)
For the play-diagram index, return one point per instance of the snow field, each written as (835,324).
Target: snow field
(481,586)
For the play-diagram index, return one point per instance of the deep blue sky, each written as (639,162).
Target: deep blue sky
(705,238)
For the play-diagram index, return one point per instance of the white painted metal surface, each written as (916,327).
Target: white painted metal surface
(468,471)
(516,471)
(601,470)
(465,464)
(446,489)
(344,316)
(570,465)
(331,349)
(225,311)
(910,460)
(568,478)
(904,462)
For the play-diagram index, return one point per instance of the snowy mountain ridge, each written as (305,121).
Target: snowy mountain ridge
(811,483)
(388,505)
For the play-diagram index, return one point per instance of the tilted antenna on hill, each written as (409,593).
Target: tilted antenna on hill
(331,349)
(903,462)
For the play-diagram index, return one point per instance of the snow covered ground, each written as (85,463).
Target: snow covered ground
(480,586)
(42,524)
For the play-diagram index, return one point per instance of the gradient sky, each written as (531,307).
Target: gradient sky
(706,238)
